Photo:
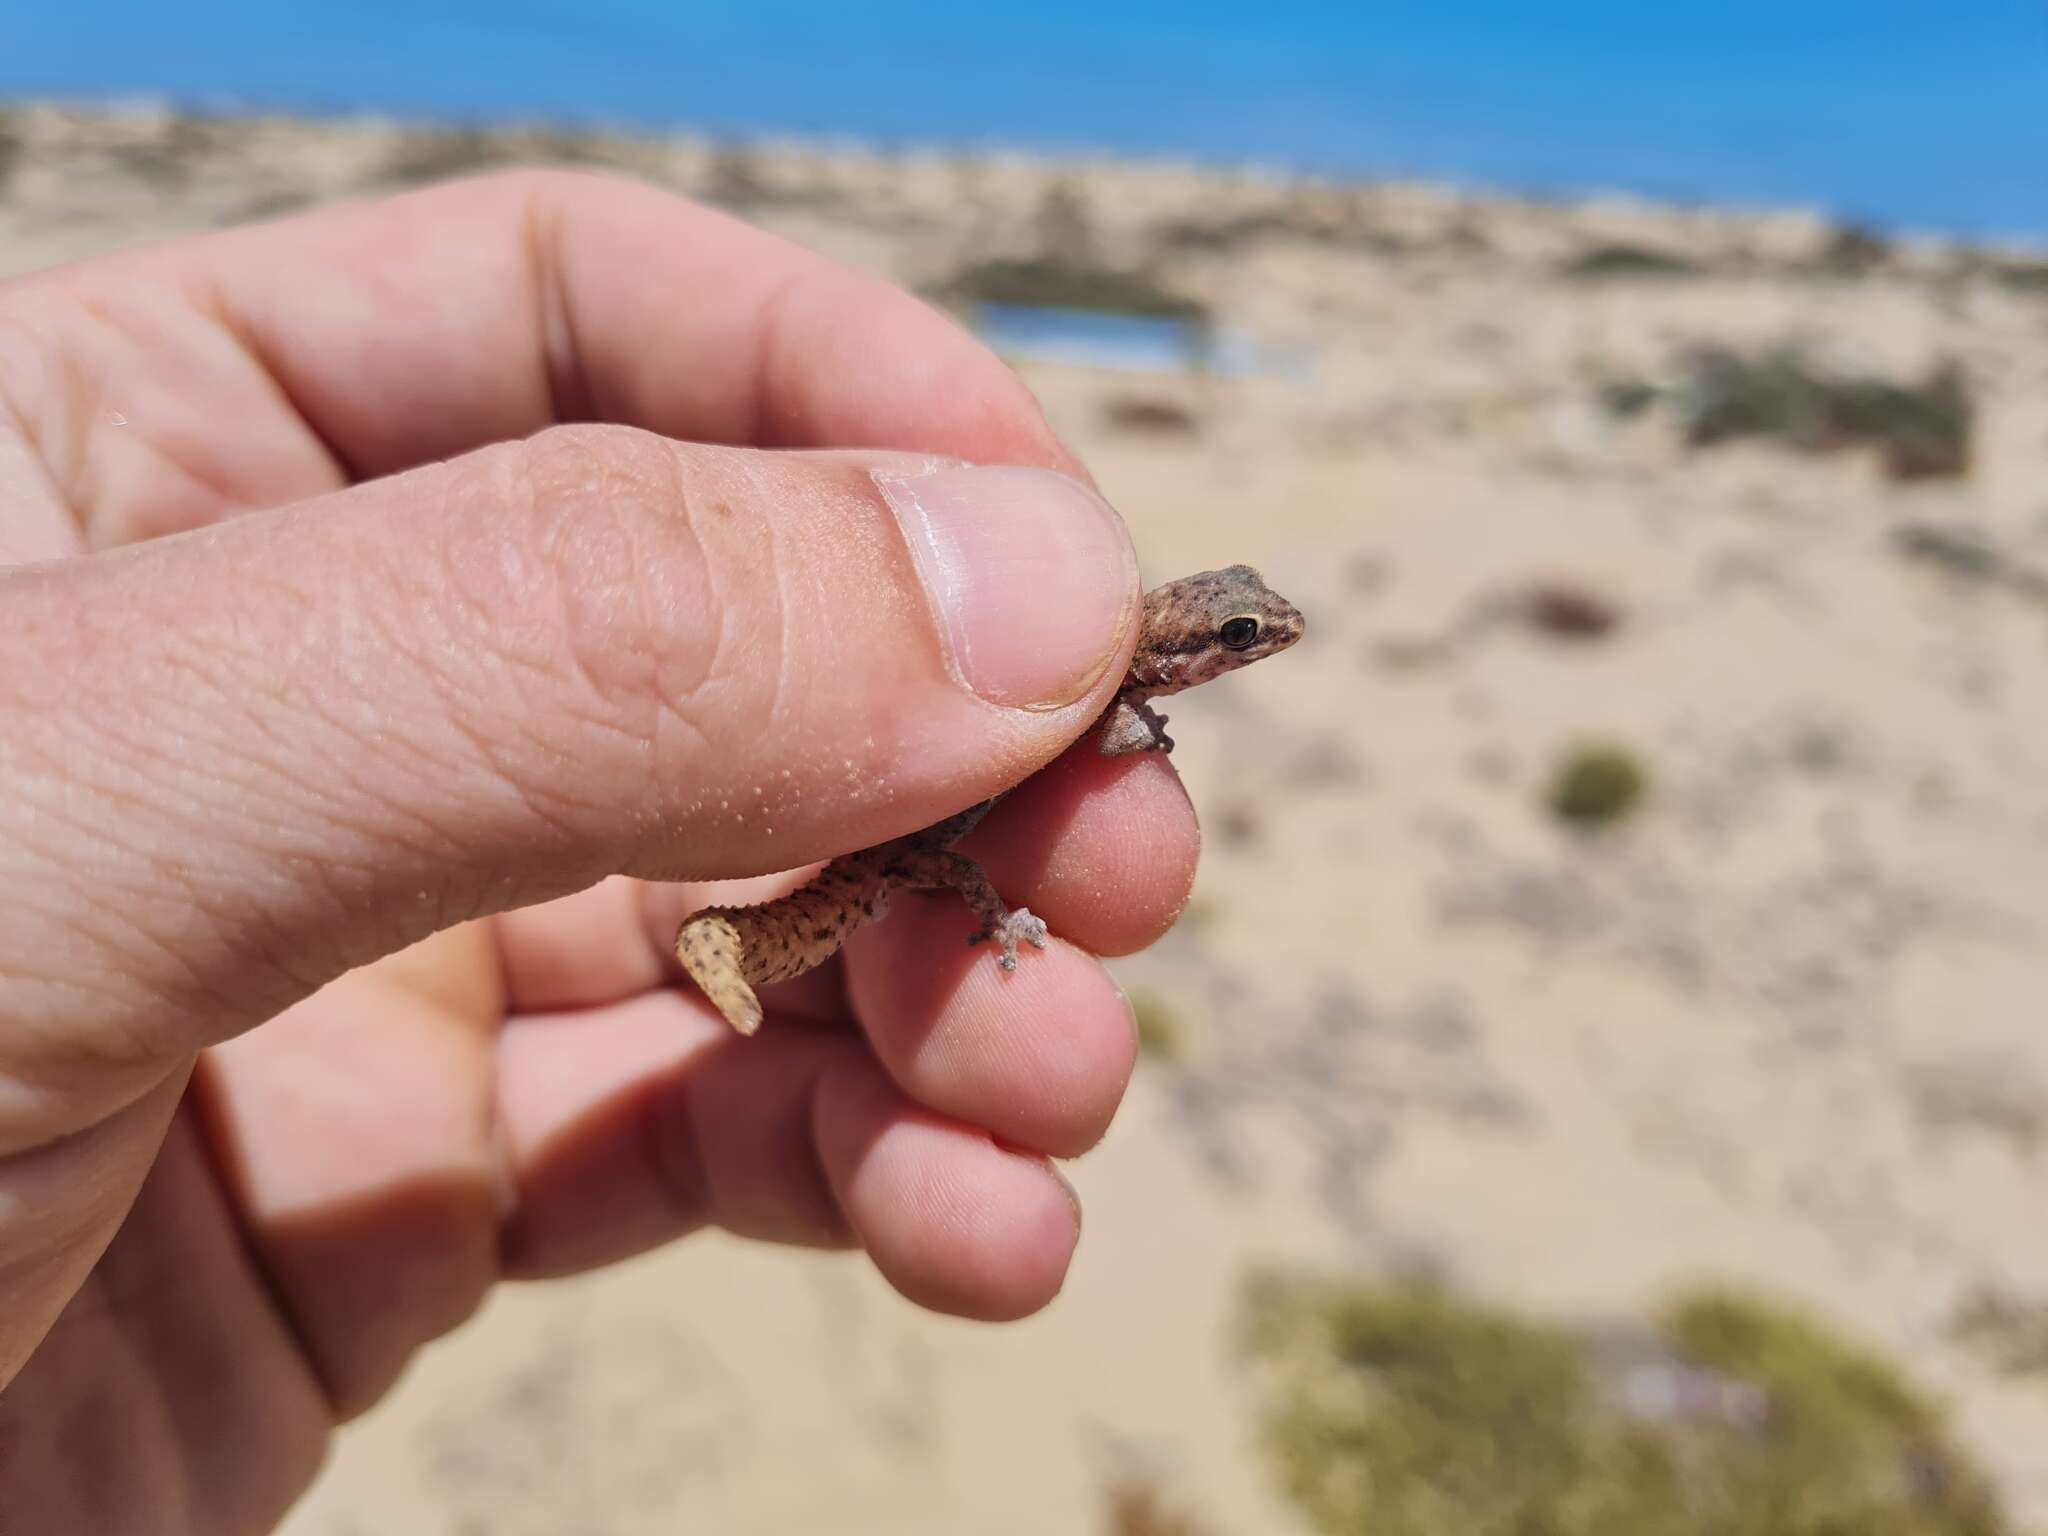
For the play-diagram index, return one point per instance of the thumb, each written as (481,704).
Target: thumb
(244,760)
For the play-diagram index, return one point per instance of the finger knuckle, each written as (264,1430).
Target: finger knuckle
(644,574)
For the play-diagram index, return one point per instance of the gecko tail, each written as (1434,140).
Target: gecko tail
(711,950)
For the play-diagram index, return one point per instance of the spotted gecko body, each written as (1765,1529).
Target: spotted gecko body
(1192,630)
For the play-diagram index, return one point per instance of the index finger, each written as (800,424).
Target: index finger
(418,326)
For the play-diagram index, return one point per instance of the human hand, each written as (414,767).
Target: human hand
(318,1013)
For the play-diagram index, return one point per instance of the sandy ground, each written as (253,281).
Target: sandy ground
(1785,1027)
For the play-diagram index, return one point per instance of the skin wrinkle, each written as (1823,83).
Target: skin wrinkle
(824,1198)
(718,1206)
(681,550)
(384,812)
(162,1405)
(300,815)
(182,809)
(210,1126)
(762,430)
(487,753)
(776,665)
(427,766)
(99,922)
(36,1110)
(705,1184)
(91,407)
(201,288)
(247,918)
(495,750)
(574,545)
(713,620)
(848,1236)
(397,824)
(75,1242)
(681,1179)
(284,1347)
(55,388)
(14,424)
(570,395)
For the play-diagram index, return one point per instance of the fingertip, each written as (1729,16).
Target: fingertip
(1104,849)
(953,1221)
(1040,1056)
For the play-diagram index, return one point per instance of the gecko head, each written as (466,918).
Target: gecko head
(1210,623)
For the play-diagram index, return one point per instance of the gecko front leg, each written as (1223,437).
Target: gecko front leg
(1131,725)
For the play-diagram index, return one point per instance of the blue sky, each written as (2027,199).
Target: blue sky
(1919,115)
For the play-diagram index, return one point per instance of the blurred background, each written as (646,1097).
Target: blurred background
(1601,1083)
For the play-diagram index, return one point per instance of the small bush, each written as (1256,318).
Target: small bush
(2022,274)
(1922,430)
(1852,250)
(1622,260)
(1150,415)
(1064,227)
(2010,1331)
(1161,1033)
(1401,1411)
(1052,282)
(1569,612)
(1597,785)
(1139,1509)
(733,181)
(1624,398)
(1230,235)
(438,154)
(10,145)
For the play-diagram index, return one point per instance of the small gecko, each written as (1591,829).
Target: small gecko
(1192,630)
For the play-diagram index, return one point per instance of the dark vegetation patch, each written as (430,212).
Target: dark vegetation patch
(1625,259)
(1597,784)
(10,145)
(1138,1508)
(440,154)
(1922,430)
(1150,416)
(1567,611)
(1402,1411)
(1057,282)
(2008,1330)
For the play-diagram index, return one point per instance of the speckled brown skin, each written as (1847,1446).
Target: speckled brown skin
(1192,630)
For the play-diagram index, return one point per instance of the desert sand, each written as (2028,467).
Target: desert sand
(1786,1025)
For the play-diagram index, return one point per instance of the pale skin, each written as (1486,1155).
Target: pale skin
(313,1024)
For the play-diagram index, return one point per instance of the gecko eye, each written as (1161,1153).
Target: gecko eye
(1239,632)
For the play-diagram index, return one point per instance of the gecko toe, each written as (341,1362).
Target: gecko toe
(1018,927)
(1027,929)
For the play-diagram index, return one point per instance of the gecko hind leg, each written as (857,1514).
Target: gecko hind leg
(932,869)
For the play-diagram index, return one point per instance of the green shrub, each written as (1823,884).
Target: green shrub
(1922,430)
(1623,260)
(10,145)
(1401,1411)
(1160,1030)
(437,154)
(1596,785)
(1053,282)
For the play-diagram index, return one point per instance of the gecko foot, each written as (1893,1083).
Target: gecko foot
(1018,927)
(1128,728)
